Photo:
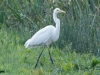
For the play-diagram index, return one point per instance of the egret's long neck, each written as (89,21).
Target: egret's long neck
(57,21)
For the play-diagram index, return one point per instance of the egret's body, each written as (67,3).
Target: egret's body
(46,35)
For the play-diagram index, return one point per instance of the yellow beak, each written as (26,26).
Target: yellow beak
(62,11)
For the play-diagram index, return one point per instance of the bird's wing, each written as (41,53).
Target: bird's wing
(43,30)
(41,37)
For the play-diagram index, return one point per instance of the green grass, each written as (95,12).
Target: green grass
(15,59)
(80,34)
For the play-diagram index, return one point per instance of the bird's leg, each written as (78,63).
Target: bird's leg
(38,58)
(50,57)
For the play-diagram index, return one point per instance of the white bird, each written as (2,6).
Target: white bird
(46,35)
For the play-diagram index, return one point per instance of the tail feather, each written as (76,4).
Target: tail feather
(27,43)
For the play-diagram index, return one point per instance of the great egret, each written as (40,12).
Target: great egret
(46,35)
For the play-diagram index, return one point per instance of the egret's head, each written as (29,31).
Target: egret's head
(57,10)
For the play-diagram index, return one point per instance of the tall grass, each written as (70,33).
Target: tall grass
(80,32)
(79,26)
(15,59)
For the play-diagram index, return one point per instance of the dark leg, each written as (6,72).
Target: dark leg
(50,57)
(38,58)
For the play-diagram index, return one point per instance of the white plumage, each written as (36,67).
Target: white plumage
(46,35)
